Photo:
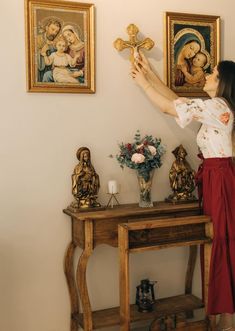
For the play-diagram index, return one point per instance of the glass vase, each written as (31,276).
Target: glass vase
(145,187)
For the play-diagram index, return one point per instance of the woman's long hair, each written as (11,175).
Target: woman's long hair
(226,89)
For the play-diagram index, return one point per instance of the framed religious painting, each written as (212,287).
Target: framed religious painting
(60,47)
(192,50)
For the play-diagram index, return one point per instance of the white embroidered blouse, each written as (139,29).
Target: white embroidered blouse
(215,135)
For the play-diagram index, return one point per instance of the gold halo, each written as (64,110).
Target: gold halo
(43,23)
(80,150)
(192,31)
(77,29)
(208,58)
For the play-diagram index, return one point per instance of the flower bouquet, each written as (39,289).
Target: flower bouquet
(143,155)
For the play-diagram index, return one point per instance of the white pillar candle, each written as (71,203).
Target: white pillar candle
(112,187)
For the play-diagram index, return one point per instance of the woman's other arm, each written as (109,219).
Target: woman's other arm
(154,79)
(161,98)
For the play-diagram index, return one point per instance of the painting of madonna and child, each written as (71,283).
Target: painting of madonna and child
(60,46)
(192,51)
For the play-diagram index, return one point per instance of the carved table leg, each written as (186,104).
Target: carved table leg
(81,276)
(124,286)
(69,273)
(189,274)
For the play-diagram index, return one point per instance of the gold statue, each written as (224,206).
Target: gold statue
(182,178)
(133,43)
(85,181)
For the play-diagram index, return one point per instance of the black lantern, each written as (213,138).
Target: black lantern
(145,297)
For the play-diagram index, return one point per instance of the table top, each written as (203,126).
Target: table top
(127,210)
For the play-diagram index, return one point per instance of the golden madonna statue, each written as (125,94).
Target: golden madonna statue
(182,177)
(85,181)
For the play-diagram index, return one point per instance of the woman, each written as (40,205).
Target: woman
(185,49)
(76,48)
(216,141)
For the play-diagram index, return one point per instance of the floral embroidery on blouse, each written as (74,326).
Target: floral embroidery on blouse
(224,118)
(214,137)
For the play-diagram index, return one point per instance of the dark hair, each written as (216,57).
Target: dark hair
(226,87)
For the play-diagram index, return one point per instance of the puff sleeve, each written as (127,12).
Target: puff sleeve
(213,112)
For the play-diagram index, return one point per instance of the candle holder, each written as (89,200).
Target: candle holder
(111,199)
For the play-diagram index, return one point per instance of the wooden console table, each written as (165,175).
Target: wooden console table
(90,229)
(160,234)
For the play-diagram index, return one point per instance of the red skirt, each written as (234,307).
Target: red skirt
(217,176)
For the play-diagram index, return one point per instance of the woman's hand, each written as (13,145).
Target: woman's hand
(143,61)
(139,76)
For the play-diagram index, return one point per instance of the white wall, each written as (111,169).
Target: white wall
(39,136)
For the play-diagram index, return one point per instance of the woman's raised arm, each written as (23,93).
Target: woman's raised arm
(154,79)
(160,97)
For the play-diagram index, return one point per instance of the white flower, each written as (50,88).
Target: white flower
(152,150)
(137,158)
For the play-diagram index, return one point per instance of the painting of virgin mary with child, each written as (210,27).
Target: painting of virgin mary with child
(191,59)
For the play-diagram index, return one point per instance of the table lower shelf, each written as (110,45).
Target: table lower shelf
(172,305)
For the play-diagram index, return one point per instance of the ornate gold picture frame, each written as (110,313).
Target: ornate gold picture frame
(192,49)
(60,46)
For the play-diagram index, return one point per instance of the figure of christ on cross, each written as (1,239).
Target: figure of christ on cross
(133,43)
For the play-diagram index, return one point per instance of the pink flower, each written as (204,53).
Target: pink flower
(152,150)
(137,158)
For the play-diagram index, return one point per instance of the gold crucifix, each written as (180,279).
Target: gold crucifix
(133,43)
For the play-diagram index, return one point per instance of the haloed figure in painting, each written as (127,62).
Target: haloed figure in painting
(217,172)
(191,59)
(188,51)
(76,49)
(48,31)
